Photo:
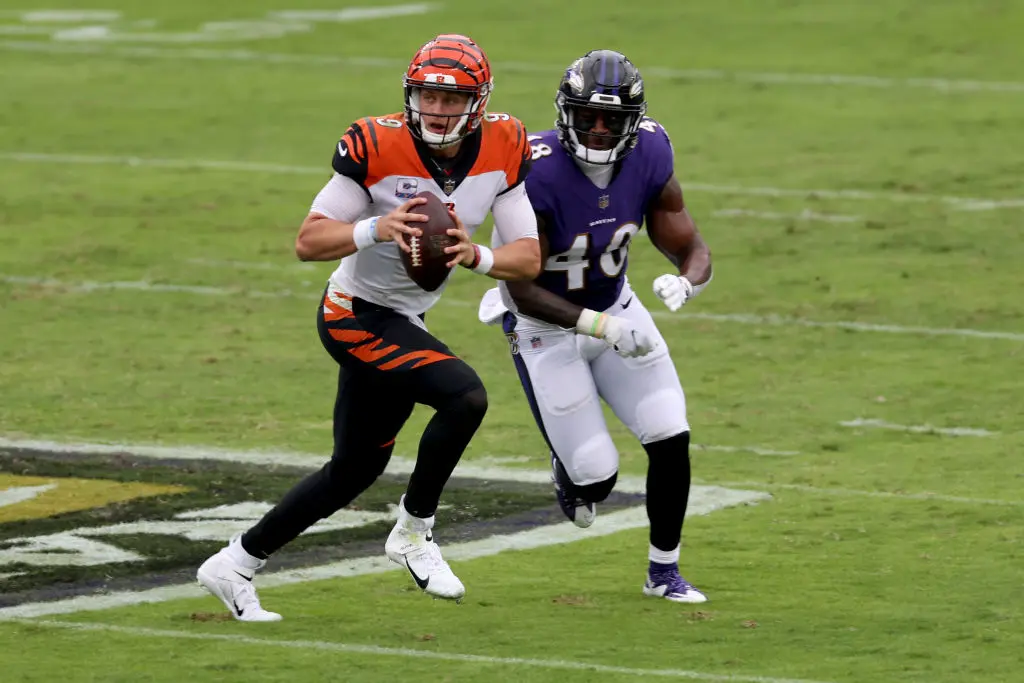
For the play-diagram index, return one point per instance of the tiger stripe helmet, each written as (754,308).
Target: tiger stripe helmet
(450,62)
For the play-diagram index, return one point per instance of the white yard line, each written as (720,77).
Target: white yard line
(895,495)
(756,450)
(894,83)
(424,654)
(964,203)
(742,318)
(251,265)
(785,321)
(805,215)
(917,429)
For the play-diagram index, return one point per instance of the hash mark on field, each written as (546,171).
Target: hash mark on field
(378,651)
(743,318)
(918,429)
(964,203)
(942,85)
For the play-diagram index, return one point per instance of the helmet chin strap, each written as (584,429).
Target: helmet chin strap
(440,140)
(594,157)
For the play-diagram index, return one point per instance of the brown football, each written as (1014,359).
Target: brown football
(426,262)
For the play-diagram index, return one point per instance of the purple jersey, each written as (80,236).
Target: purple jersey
(588,228)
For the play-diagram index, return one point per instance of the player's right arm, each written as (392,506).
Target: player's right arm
(536,302)
(331,230)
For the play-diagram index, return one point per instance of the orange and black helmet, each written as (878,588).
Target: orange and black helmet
(449,62)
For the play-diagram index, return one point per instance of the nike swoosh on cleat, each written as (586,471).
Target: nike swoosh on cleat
(247,578)
(237,610)
(422,583)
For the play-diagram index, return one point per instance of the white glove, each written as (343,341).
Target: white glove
(619,333)
(674,290)
(627,340)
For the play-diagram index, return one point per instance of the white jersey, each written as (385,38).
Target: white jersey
(381,155)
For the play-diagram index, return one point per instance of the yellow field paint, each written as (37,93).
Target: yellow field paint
(41,497)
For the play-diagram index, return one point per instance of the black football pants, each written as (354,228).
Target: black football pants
(387,365)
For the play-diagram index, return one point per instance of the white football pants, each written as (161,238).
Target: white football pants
(564,374)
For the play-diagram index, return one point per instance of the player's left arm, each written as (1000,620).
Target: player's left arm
(519,256)
(514,220)
(674,233)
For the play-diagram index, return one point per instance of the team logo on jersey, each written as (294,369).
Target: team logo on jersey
(513,342)
(603,201)
(406,187)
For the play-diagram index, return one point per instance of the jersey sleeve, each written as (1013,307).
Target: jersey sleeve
(661,166)
(514,218)
(540,181)
(520,156)
(353,153)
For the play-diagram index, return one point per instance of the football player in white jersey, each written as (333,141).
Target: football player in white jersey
(578,334)
(371,320)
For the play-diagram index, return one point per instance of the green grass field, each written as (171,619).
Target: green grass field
(856,169)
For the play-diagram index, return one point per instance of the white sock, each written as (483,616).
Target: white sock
(409,521)
(240,556)
(663,556)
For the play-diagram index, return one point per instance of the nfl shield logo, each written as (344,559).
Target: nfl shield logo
(535,342)
(449,186)
(603,201)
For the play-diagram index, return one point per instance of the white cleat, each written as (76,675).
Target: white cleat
(232,583)
(411,545)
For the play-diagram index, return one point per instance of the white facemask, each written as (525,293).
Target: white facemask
(440,140)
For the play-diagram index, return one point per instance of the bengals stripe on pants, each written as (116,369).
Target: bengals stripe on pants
(343,326)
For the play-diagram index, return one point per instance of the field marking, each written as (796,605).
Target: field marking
(960,203)
(378,651)
(756,450)
(60,16)
(742,318)
(250,265)
(708,500)
(805,215)
(401,465)
(103,27)
(895,83)
(898,495)
(397,465)
(918,429)
(704,499)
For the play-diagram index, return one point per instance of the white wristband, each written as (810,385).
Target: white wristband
(591,323)
(364,234)
(484,260)
(697,289)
